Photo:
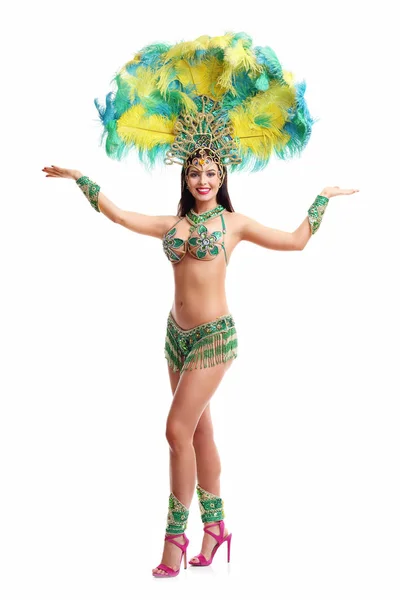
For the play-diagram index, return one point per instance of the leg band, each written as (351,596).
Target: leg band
(177,515)
(211,506)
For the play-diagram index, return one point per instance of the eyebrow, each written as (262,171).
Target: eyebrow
(194,170)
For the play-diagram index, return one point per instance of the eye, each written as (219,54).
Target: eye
(211,173)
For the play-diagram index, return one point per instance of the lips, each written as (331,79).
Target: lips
(203,191)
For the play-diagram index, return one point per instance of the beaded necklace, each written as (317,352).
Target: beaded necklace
(196,219)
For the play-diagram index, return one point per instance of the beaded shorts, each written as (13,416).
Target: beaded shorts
(203,346)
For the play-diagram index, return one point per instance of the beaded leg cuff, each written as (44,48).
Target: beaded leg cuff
(91,191)
(177,515)
(211,506)
(316,212)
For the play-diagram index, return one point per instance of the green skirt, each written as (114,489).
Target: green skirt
(203,346)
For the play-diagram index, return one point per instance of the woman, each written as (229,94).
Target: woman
(201,338)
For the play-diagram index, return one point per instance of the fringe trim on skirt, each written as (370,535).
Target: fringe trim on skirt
(211,350)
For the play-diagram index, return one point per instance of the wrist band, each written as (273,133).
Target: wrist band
(91,191)
(316,212)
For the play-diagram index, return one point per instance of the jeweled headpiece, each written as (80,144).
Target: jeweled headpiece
(207,133)
(218,94)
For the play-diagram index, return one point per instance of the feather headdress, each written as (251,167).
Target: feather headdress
(219,93)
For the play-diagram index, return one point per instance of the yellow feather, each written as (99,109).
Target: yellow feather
(242,58)
(288,77)
(203,76)
(272,104)
(221,41)
(136,59)
(141,84)
(238,58)
(165,74)
(131,81)
(188,103)
(147,82)
(145,132)
(187,49)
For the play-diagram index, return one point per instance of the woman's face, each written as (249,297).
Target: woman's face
(203,181)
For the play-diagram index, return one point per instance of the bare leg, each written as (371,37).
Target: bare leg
(192,395)
(208,470)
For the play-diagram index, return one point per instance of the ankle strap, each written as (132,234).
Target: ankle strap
(218,536)
(171,538)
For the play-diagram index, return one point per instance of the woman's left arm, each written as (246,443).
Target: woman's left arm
(274,239)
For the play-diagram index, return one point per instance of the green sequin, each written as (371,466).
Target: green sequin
(201,243)
(316,212)
(178,515)
(211,506)
(196,219)
(91,190)
(202,346)
(205,243)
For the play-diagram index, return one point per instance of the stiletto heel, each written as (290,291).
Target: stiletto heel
(171,572)
(228,539)
(202,561)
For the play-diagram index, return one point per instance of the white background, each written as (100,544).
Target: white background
(307,418)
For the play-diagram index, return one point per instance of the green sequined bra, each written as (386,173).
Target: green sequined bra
(201,244)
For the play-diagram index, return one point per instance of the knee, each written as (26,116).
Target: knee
(177,436)
(203,437)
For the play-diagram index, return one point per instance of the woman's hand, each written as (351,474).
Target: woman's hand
(328,192)
(54,171)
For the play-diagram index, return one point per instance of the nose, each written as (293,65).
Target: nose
(203,178)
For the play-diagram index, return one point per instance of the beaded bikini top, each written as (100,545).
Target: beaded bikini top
(201,244)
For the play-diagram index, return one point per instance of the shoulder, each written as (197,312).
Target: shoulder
(236,222)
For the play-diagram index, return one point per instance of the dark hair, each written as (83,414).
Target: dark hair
(187,200)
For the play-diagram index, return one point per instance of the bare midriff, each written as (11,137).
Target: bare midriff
(199,291)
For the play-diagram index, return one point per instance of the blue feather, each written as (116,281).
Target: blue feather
(266,56)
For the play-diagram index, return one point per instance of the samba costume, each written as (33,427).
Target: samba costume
(214,99)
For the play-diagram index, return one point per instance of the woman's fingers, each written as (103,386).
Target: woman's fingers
(54,171)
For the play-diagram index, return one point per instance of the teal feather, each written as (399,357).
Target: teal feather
(262,82)
(169,104)
(151,56)
(266,56)
(244,38)
(244,89)
(299,126)
(263,121)
(115,147)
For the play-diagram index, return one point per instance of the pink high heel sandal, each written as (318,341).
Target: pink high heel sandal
(202,561)
(169,537)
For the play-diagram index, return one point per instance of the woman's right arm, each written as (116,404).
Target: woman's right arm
(150,225)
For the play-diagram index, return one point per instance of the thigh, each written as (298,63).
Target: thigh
(173,378)
(193,393)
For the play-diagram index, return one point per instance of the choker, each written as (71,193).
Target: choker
(195,219)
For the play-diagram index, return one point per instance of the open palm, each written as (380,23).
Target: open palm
(54,171)
(329,192)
